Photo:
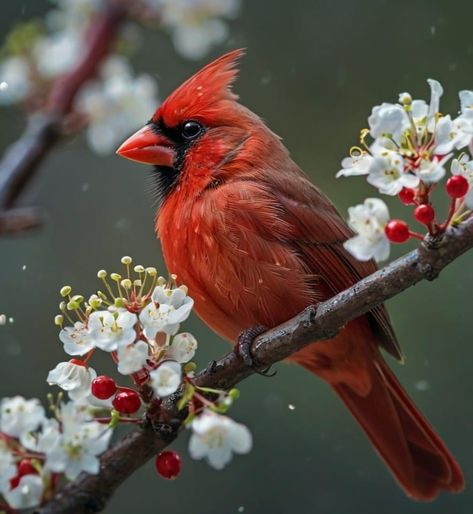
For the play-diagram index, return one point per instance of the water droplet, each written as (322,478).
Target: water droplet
(291,407)
(3,85)
(11,320)
(23,267)
(422,385)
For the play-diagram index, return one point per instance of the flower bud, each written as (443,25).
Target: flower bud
(65,291)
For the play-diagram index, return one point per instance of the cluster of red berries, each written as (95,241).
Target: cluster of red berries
(126,400)
(397,231)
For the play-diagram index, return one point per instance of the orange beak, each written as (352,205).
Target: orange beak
(148,147)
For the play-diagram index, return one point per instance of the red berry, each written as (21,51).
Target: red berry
(103,387)
(407,196)
(24,468)
(457,186)
(424,214)
(126,401)
(78,362)
(168,464)
(397,231)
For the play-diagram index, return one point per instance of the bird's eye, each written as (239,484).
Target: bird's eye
(191,129)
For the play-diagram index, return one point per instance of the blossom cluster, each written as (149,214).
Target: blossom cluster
(117,101)
(136,320)
(411,146)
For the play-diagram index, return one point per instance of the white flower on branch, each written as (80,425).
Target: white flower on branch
(78,446)
(432,171)
(368,221)
(132,358)
(116,105)
(7,467)
(77,339)
(27,494)
(15,74)
(388,118)
(109,330)
(57,53)
(195,25)
(216,438)
(174,307)
(387,174)
(166,379)
(73,377)
(183,348)
(358,163)
(18,415)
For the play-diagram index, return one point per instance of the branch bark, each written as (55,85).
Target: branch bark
(89,493)
(22,159)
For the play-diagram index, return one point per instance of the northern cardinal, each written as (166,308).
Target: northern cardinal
(257,242)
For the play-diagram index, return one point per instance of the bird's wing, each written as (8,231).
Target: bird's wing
(317,234)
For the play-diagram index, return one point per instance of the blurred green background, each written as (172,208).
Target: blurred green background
(313,71)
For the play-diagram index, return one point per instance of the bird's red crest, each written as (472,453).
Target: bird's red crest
(198,96)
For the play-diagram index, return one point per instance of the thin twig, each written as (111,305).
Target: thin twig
(89,493)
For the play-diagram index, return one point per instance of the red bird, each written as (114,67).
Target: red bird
(257,242)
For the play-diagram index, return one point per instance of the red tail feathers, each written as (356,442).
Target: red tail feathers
(412,450)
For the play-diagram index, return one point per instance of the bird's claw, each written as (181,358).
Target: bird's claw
(243,349)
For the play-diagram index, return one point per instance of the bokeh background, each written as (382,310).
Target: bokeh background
(313,71)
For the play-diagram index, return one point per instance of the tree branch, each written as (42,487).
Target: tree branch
(89,493)
(22,159)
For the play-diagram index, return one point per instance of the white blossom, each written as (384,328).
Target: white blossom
(79,444)
(183,348)
(174,307)
(387,174)
(73,378)
(15,73)
(27,494)
(7,467)
(79,451)
(116,105)
(195,25)
(18,415)
(58,53)
(194,41)
(436,91)
(44,438)
(368,221)
(356,164)
(112,330)
(466,103)
(166,379)
(77,339)
(431,171)
(216,438)
(388,118)
(132,358)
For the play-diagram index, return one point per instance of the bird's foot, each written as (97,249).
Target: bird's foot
(243,349)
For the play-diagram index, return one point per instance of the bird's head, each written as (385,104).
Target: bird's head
(199,131)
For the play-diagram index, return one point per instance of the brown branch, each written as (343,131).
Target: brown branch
(89,493)
(22,159)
